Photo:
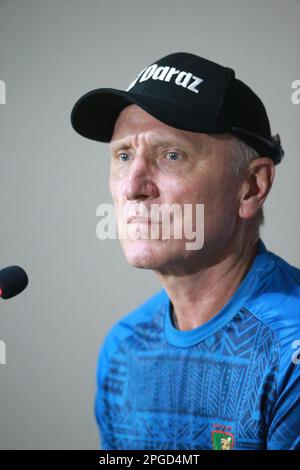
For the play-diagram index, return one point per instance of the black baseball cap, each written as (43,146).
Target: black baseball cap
(187,92)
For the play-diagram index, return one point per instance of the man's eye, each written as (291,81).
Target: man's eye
(123,157)
(173,156)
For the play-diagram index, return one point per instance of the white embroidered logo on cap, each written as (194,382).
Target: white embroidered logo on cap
(166,74)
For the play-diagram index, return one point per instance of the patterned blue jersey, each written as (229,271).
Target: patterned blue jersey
(231,383)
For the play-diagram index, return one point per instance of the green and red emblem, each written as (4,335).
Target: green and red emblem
(222,440)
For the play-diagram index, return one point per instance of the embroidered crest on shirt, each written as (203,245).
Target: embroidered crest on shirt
(222,440)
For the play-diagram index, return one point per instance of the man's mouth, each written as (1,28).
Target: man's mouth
(141,220)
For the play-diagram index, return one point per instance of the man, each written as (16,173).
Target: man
(210,361)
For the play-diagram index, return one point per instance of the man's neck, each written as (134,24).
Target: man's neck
(198,297)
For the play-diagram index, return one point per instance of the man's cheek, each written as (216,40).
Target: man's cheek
(115,191)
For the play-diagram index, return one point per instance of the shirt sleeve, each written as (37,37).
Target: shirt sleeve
(284,430)
(100,404)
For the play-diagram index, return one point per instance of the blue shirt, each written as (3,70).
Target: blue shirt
(231,383)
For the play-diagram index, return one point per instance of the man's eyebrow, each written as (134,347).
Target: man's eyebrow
(171,143)
(113,146)
(118,144)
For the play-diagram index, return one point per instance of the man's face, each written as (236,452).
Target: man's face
(153,163)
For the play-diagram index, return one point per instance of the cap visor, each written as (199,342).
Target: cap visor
(95,113)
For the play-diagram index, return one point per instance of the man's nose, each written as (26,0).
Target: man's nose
(139,182)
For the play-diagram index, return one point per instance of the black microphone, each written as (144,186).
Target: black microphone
(13,280)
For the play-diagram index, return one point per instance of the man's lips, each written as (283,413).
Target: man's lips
(140,220)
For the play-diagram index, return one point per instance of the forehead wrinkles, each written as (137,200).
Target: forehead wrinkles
(153,138)
(134,139)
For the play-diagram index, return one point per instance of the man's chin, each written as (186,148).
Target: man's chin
(142,260)
(143,255)
(153,254)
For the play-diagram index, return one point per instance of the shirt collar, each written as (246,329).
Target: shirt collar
(245,290)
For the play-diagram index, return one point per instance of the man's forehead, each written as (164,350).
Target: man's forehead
(134,125)
(154,138)
(134,119)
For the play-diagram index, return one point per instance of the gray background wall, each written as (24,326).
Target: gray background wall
(52,180)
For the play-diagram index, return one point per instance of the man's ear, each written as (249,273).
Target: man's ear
(257,182)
